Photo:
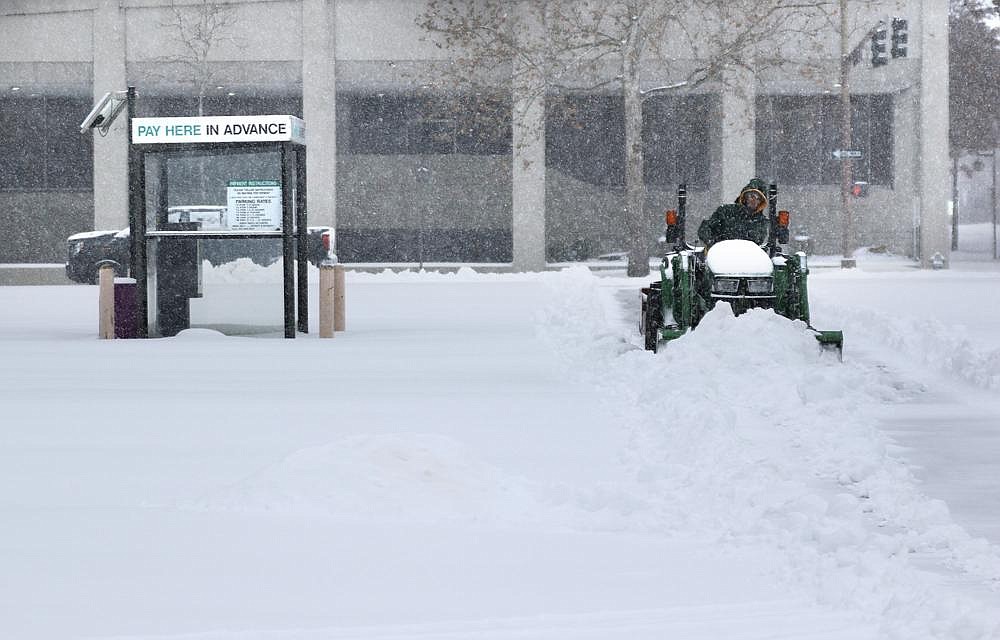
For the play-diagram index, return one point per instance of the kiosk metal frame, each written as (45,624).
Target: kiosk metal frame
(294,219)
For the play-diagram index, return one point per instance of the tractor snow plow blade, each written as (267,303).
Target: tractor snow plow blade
(831,340)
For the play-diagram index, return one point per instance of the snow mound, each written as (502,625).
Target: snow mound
(744,431)
(391,477)
(738,258)
(418,276)
(239,271)
(928,343)
(199,334)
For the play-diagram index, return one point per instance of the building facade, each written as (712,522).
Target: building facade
(407,169)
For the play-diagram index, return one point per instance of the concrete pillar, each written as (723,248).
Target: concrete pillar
(735,150)
(528,172)
(110,151)
(319,108)
(934,183)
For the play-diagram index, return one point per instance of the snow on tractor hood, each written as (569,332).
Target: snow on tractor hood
(738,258)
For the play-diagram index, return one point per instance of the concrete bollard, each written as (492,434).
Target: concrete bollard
(339,321)
(326,297)
(106,302)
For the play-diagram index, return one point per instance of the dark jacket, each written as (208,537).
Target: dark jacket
(737,221)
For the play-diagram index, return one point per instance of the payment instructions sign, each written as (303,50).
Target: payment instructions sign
(254,205)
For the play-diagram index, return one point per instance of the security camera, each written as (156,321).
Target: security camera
(104,112)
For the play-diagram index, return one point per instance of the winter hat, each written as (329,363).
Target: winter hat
(755,185)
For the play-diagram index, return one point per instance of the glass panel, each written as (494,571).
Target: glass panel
(796,137)
(213,192)
(69,155)
(22,155)
(233,286)
(675,138)
(423,123)
(242,287)
(233,282)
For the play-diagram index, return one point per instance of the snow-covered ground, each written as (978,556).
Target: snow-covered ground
(494,456)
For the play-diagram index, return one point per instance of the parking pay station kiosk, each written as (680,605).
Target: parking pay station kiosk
(235,184)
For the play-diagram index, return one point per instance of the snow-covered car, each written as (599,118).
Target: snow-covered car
(211,217)
(85,250)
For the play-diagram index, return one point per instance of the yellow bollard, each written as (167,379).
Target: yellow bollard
(326,297)
(106,303)
(339,322)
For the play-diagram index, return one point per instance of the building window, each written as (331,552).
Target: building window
(675,138)
(585,138)
(42,148)
(182,106)
(797,135)
(398,123)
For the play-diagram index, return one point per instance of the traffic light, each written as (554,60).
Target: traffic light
(859,189)
(900,37)
(880,55)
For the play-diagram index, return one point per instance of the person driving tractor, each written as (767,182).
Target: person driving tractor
(744,220)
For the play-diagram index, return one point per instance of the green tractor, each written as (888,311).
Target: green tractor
(740,272)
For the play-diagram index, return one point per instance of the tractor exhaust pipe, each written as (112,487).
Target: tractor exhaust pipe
(772,215)
(682,197)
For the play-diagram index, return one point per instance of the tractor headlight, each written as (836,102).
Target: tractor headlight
(758,286)
(726,285)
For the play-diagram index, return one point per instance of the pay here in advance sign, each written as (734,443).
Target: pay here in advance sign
(217,129)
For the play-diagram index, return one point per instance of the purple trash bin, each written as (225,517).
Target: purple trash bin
(126,308)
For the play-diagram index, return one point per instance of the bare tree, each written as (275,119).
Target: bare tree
(197,30)
(589,44)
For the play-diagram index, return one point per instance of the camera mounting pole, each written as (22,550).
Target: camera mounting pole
(137,218)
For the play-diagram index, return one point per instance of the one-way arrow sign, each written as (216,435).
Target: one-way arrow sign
(843,154)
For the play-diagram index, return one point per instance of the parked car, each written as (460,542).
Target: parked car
(85,250)
(211,217)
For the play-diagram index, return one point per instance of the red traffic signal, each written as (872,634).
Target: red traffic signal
(859,189)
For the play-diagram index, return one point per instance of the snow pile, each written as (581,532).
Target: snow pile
(389,477)
(738,257)
(243,270)
(414,276)
(240,270)
(741,431)
(926,342)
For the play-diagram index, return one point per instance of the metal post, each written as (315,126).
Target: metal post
(137,221)
(993,197)
(287,253)
(423,175)
(302,227)
(420,238)
(846,135)
(954,204)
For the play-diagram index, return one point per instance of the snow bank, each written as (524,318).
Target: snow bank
(239,271)
(742,431)
(926,342)
(384,478)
